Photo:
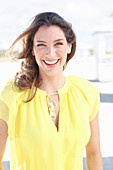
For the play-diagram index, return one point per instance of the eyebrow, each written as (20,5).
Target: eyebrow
(40,41)
(59,40)
(45,42)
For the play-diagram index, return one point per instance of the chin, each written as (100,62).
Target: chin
(53,73)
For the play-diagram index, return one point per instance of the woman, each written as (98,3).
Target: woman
(50,118)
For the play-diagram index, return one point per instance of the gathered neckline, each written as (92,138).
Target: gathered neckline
(61,90)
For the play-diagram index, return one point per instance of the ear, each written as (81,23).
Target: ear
(69,48)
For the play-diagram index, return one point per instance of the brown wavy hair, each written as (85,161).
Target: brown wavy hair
(28,77)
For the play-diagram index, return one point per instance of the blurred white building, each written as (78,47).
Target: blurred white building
(104,52)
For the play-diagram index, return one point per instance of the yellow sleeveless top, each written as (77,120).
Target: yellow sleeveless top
(36,144)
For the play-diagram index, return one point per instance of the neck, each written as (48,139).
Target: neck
(52,84)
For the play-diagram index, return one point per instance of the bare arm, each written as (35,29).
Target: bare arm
(3,139)
(93,153)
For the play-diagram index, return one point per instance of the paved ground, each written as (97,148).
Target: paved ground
(107,164)
(86,68)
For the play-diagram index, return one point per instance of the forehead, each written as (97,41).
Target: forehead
(49,32)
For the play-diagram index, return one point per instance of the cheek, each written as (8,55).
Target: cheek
(39,54)
(62,52)
(40,51)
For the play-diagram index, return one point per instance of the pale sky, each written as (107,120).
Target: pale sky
(85,15)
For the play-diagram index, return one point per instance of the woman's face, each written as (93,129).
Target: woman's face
(50,49)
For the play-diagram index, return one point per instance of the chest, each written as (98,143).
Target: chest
(35,131)
(53,108)
(72,119)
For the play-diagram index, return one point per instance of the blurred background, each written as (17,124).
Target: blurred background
(92,22)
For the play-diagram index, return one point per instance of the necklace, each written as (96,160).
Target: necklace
(51,106)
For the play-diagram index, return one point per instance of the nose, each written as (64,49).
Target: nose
(50,53)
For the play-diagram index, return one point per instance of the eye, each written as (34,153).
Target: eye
(40,45)
(59,43)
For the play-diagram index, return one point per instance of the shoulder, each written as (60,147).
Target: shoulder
(7,89)
(10,93)
(81,83)
(85,88)
(88,91)
(10,88)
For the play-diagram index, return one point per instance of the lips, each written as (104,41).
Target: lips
(51,62)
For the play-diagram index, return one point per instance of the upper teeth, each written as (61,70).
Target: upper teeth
(51,62)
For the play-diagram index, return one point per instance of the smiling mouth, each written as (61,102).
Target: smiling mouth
(51,62)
